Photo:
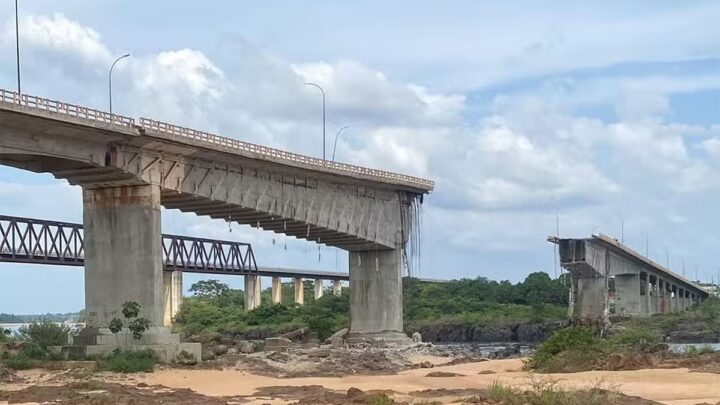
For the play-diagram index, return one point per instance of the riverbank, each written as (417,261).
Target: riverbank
(443,384)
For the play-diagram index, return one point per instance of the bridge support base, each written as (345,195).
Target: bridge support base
(336,288)
(376,308)
(173,291)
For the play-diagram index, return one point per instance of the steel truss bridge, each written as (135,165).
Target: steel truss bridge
(27,240)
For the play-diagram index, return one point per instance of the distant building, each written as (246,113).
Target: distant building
(713,289)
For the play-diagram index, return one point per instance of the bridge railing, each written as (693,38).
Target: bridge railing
(264,151)
(230,144)
(65,108)
(25,240)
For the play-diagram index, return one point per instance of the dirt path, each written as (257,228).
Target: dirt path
(670,386)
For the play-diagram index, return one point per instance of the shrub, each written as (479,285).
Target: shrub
(33,351)
(19,362)
(130,361)
(579,339)
(45,333)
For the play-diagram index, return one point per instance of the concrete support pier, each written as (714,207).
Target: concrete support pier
(299,291)
(252,292)
(319,288)
(123,253)
(173,291)
(336,288)
(376,310)
(276,290)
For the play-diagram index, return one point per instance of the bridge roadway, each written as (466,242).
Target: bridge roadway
(128,169)
(609,278)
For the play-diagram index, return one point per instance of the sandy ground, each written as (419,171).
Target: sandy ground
(669,386)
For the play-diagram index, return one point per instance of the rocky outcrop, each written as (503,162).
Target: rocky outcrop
(515,332)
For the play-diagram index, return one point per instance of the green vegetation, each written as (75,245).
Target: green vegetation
(136,324)
(217,308)
(582,348)
(130,361)
(547,392)
(11,318)
(45,333)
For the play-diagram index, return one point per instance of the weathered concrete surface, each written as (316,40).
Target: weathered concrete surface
(253,288)
(376,293)
(299,288)
(641,286)
(173,292)
(276,290)
(123,253)
(353,208)
(318,288)
(336,287)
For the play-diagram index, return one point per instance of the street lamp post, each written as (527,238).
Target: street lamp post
(17,45)
(110,79)
(323,99)
(336,138)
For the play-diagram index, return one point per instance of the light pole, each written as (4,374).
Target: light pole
(110,79)
(323,98)
(336,138)
(17,45)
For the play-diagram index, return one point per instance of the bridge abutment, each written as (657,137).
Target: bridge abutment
(376,307)
(123,252)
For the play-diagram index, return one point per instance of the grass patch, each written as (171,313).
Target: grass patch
(130,361)
(548,392)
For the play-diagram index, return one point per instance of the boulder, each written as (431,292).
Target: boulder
(246,346)
(417,337)
(219,350)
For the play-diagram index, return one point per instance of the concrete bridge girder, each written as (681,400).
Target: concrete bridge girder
(358,215)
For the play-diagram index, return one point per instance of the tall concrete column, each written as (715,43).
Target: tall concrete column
(336,288)
(123,253)
(318,288)
(173,290)
(299,288)
(376,294)
(276,290)
(252,292)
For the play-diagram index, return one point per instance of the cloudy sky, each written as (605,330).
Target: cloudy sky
(606,114)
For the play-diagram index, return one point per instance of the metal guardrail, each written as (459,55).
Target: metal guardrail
(64,108)
(26,240)
(229,144)
(264,151)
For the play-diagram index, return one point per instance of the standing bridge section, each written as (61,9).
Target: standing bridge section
(128,169)
(609,278)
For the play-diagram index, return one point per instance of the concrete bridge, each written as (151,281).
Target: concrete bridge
(609,278)
(128,170)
